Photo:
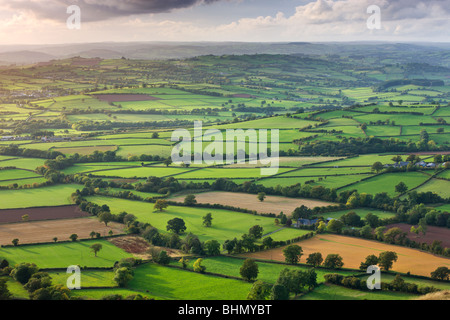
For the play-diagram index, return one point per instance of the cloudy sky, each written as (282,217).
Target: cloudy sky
(45,21)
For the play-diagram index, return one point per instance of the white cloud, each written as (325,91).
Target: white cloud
(318,20)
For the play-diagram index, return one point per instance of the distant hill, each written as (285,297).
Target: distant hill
(100,53)
(431,53)
(25,57)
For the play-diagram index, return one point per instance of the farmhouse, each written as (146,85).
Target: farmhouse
(306,222)
(309,222)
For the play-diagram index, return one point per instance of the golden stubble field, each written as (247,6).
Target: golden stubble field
(45,231)
(354,251)
(271,204)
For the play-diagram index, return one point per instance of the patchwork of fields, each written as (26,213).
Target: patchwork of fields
(89,153)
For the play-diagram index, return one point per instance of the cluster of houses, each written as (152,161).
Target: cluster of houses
(423,164)
(43,139)
(309,222)
(15,138)
(60,139)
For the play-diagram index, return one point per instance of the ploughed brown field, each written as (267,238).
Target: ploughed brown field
(353,251)
(140,248)
(43,213)
(271,204)
(45,231)
(432,233)
(122,97)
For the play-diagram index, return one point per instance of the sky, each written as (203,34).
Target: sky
(49,22)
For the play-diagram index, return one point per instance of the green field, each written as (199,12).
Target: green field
(14,174)
(339,108)
(226,224)
(169,283)
(63,255)
(56,195)
(89,278)
(333,292)
(387,182)
(437,186)
(268,272)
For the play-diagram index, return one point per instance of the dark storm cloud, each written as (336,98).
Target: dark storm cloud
(96,10)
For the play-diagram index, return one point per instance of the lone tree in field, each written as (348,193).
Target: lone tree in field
(160,205)
(371,260)
(96,247)
(441,273)
(315,259)
(249,270)
(73,237)
(256,231)
(167,162)
(15,242)
(123,276)
(377,167)
(105,217)
(401,187)
(212,247)
(189,200)
(176,225)
(292,254)
(207,220)
(333,261)
(261,196)
(198,266)
(386,259)
(259,291)
(422,227)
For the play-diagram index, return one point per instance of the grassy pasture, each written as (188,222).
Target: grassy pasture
(268,272)
(322,171)
(160,150)
(23,163)
(440,187)
(89,278)
(176,284)
(334,292)
(22,182)
(55,195)
(250,173)
(85,150)
(387,182)
(226,224)
(398,118)
(361,160)
(269,123)
(13,174)
(143,172)
(62,255)
(388,277)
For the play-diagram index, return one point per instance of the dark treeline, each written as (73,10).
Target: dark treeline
(353,146)
(419,82)
(14,150)
(108,125)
